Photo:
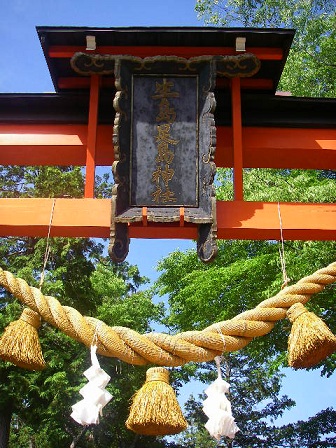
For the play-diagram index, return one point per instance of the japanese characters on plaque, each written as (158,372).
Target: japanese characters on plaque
(164,146)
(166,117)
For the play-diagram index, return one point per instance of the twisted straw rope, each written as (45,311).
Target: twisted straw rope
(164,349)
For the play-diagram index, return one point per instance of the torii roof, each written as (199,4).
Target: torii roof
(260,105)
(60,43)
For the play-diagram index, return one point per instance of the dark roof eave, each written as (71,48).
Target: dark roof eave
(257,110)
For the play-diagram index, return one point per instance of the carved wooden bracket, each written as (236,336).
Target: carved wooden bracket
(241,65)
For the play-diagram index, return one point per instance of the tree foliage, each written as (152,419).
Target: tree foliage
(243,274)
(310,68)
(256,405)
(247,272)
(79,275)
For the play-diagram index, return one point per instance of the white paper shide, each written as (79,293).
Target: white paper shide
(95,397)
(218,408)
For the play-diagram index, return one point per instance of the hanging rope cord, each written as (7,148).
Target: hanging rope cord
(47,249)
(286,279)
(164,349)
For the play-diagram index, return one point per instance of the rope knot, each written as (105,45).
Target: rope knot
(295,311)
(157,374)
(31,317)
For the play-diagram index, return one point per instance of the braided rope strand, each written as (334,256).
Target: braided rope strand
(163,349)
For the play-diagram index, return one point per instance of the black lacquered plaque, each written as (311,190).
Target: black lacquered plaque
(164,144)
(164,140)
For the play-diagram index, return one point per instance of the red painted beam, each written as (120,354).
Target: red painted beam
(280,148)
(90,162)
(260,221)
(235,220)
(71,217)
(76,82)
(67,51)
(262,147)
(238,189)
(247,83)
(53,144)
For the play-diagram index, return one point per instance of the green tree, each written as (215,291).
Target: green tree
(256,406)
(37,405)
(243,274)
(310,68)
(44,406)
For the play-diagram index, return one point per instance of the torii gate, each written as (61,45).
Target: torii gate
(255,129)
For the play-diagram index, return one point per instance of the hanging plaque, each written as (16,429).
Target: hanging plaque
(164,140)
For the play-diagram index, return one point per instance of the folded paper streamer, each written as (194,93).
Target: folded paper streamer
(88,410)
(218,408)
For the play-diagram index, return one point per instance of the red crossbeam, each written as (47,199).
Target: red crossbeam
(236,220)
(262,147)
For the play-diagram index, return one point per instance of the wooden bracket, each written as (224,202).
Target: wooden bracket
(181,216)
(144,216)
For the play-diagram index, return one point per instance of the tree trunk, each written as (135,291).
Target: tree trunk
(135,440)
(5,420)
(76,439)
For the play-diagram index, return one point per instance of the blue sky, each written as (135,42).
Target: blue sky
(23,69)
(23,66)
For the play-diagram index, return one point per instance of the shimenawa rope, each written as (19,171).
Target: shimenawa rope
(163,349)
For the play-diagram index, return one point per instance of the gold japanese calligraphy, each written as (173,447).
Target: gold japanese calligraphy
(166,117)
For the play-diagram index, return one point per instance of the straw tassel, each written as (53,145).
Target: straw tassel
(155,410)
(310,341)
(20,342)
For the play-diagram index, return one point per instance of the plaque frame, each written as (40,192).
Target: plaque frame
(165,71)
